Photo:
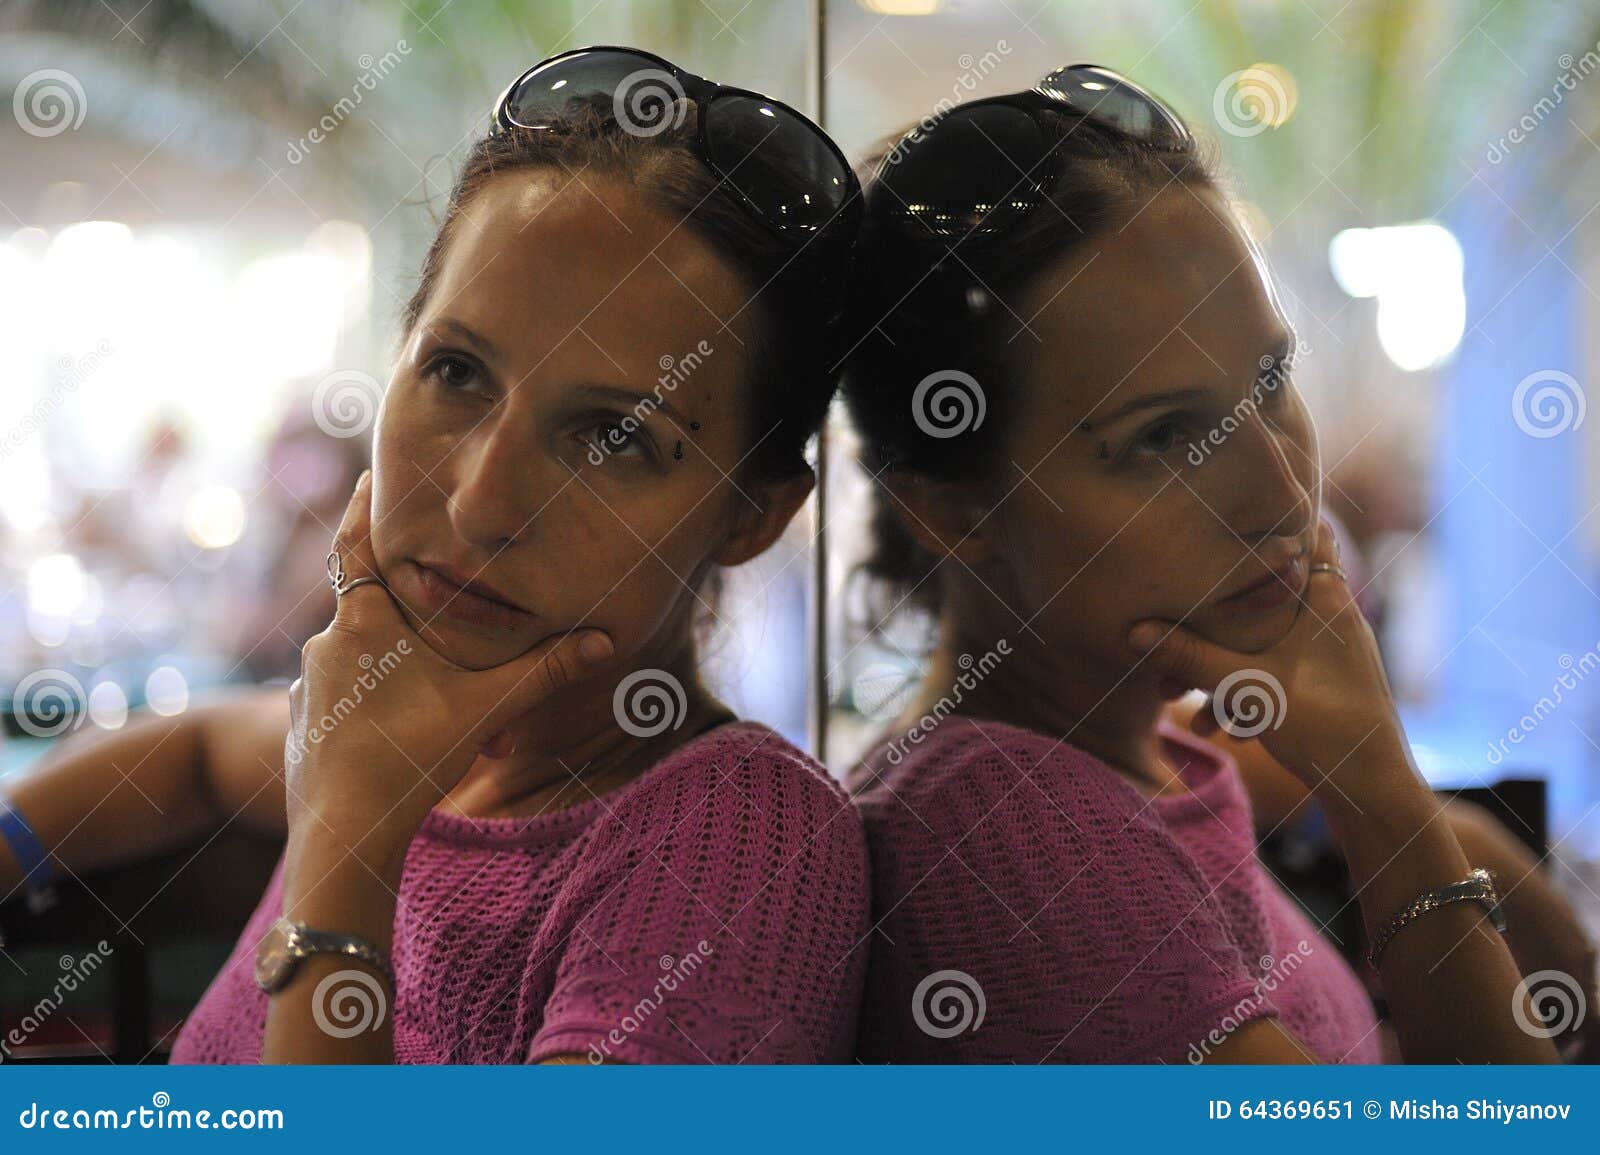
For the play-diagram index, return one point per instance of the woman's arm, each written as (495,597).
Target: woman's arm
(1449,980)
(106,798)
(1543,931)
(1453,988)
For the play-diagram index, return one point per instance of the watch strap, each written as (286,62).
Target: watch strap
(302,941)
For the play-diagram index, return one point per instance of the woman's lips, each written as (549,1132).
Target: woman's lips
(438,596)
(1283,586)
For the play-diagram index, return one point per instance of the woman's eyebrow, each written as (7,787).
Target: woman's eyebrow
(1145,401)
(1281,354)
(486,348)
(641,403)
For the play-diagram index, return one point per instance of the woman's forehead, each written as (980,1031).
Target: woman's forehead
(1178,295)
(537,263)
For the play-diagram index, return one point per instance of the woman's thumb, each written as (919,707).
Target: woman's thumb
(526,681)
(1179,655)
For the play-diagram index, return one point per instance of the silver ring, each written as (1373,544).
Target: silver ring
(341,582)
(1327,567)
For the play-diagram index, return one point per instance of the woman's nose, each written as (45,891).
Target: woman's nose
(490,494)
(1268,491)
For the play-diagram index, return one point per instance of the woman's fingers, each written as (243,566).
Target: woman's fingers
(522,683)
(1182,658)
(501,745)
(1327,581)
(353,558)
(353,538)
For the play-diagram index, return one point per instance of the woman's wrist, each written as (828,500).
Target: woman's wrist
(1373,776)
(344,881)
(1396,846)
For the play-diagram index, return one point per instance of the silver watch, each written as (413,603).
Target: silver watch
(287,943)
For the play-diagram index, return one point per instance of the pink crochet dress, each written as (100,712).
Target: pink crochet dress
(1087,922)
(705,912)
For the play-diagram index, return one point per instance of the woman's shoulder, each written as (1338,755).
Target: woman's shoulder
(741,779)
(982,762)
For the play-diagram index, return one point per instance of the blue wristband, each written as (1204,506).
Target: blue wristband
(37,872)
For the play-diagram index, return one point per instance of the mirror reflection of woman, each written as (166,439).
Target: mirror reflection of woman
(1063,305)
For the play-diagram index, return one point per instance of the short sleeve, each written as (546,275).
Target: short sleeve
(715,921)
(1036,876)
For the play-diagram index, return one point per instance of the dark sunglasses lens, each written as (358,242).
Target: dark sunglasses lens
(1102,95)
(779,161)
(635,89)
(975,171)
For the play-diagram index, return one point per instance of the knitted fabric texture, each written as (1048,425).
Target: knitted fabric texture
(1091,922)
(704,912)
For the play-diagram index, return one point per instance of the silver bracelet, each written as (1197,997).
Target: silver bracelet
(1476,887)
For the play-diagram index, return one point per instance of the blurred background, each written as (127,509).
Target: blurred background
(212,211)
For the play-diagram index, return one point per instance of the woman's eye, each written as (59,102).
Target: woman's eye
(615,439)
(453,372)
(1161,437)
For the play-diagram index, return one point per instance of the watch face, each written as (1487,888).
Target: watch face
(274,961)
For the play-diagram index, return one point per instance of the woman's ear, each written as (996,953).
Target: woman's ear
(945,518)
(760,524)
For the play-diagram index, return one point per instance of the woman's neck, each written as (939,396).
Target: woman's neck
(1012,676)
(574,746)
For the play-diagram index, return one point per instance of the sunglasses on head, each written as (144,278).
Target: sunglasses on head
(982,166)
(782,167)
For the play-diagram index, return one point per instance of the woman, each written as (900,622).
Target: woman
(518,827)
(1074,387)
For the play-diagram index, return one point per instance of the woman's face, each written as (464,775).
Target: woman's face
(562,425)
(1161,465)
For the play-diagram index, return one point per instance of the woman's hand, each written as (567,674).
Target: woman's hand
(382,726)
(1318,701)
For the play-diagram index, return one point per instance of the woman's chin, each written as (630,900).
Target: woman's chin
(464,647)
